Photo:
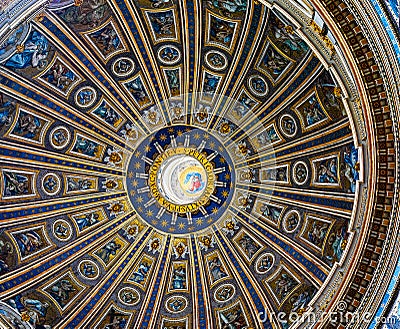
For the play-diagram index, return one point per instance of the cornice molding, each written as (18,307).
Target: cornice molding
(17,12)
(376,61)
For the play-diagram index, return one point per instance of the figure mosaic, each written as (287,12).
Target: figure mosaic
(273,213)
(30,241)
(6,253)
(17,184)
(9,45)
(114,319)
(60,76)
(349,170)
(86,147)
(138,91)
(221,31)
(243,106)
(109,251)
(228,7)
(106,40)
(274,64)
(311,111)
(277,174)
(233,318)
(33,309)
(210,83)
(162,24)
(179,276)
(90,14)
(63,291)
(7,110)
(267,137)
(108,115)
(80,184)
(337,243)
(248,245)
(284,285)
(301,301)
(29,126)
(141,274)
(34,54)
(173,80)
(330,96)
(327,170)
(284,37)
(11,319)
(316,232)
(216,268)
(174,324)
(88,220)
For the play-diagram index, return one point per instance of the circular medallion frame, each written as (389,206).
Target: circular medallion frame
(255,91)
(306,173)
(65,225)
(79,97)
(260,259)
(215,67)
(176,297)
(132,291)
(126,73)
(173,61)
(56,180)
(66,137)
(283,129)
(286,218)
(157,207)
(221,288)
(94,266)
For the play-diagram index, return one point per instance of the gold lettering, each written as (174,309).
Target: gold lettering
(152,180)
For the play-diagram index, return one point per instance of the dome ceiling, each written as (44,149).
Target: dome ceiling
(174,165)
